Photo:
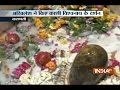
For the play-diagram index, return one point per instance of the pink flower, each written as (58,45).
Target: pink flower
(17,73)
(26,65)
(20,70)
(113,63)
(77,47)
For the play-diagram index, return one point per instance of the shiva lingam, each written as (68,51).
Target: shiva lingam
(81,73)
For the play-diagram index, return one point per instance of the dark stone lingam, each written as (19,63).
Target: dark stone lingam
(89,57)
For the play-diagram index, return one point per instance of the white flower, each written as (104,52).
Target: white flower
(43,77)
(117,70)
(56,71)
(25,78)
(16,55)
(46,76)
(112,80)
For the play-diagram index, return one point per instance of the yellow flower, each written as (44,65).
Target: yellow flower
(43,34)
(114,17)
(63,41)
(106,11)
(61,21)
(109,24)
(2,39)
(55,26)
(38,23)
(76,26)
(103,18)
(37,19)
(58,24)
(108,17)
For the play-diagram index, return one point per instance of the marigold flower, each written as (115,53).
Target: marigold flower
(51,65)
(2,39)
(43,34)
(36,19)
(103,18)
(61,21)
(114,17)
(56,26)
(39,24)
(108,17)
(106,11)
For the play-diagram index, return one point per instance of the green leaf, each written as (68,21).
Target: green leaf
(100,27)
(47,21)
(32,47)
(67,18)
(82,26)
(26,42)
(81,20)
(2,53)
(75,33)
